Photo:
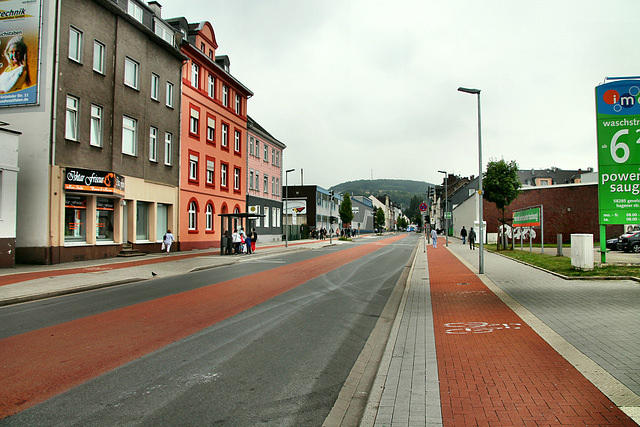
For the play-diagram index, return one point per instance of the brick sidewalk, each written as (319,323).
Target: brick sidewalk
(494,369)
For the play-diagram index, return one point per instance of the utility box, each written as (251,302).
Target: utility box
(582,251)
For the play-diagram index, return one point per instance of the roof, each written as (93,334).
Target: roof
(254,126)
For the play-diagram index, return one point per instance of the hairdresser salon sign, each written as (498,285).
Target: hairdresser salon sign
(618,116)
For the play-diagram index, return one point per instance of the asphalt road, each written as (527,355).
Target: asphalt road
(267,342)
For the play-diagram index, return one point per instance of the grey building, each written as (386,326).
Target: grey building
(100,150)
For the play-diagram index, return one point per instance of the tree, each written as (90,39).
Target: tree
(345,210)
(380,219)
(402,223)
(501,185)
(413,212)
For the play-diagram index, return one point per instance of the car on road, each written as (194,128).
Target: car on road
(612,244)
(629,242)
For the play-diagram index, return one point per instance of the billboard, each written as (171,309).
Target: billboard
(529,217)
(618,126)
(20,47)
(92,181)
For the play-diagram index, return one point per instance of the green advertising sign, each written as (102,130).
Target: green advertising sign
(618,126)
(527,217)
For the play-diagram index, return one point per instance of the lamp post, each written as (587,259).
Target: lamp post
(480,189)
(286,206)
(446,196)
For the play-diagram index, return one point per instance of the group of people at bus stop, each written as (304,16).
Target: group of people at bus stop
(240,242)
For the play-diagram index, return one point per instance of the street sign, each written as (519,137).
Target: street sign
(423,207)
(447,215)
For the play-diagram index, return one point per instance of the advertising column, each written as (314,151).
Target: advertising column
(618,125)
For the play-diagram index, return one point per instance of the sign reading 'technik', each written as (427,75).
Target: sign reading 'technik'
(618,124)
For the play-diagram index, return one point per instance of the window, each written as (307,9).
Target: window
(98,56)
(277,186)
(104,219)
(155,86)
(71,127)
(257,181)
(273,156)
(195,71)
(211,129)
(225,95)
(193,216)
(266,153)
(223,175)
(236,179)
(96,125)
(211,166)
(225,135)
(142,221)
(237,142)
(238,104)
(169,95)
(258,218)
(209,217)
(211,53)
(278,216)
(251,179)
(211,86)
(135,11)
(251,142)
(75,219)
(129,135)
(131,69)
(193,167)
(273,185)
(75,44)
(274,217)
(257,152)
(164,32)
(194,121)
(265,184)
(153,144)
(168,146)
(266,216)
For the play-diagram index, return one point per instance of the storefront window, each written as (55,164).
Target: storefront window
(162,220)
(104,219)
(142,221)
(75,219)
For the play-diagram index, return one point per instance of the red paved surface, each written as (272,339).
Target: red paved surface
(495,370)
(37,365)
(7,279)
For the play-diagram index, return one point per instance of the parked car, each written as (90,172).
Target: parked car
(630,242)
(612,244)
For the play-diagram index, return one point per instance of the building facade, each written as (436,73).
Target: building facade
(264,177)
(101,145)
(214,128)
(9,140)
(310,207)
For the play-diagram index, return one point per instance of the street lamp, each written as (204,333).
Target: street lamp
(480,190)
(446,220)
(286,206)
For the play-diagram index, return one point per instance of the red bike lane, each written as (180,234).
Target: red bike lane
(37,365)
(494,370)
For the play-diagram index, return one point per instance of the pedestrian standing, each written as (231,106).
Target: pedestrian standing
(463,233)
(247,242)
(472,239)
(434,237)
(254,239)
(168,240)
(235,237)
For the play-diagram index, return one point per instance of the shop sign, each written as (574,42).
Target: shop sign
(618,125)
(92,181)
(527,217)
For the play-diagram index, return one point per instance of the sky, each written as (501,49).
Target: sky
(362,89)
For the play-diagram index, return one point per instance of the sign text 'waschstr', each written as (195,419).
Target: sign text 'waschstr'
(618,125)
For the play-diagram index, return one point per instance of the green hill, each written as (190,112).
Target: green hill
(399,190)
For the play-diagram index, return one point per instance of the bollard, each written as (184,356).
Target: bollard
(559,240)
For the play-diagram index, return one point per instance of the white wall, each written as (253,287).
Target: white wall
(8,182)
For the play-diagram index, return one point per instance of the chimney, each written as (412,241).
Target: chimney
(156,7)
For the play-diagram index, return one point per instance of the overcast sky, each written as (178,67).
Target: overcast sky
(368,88)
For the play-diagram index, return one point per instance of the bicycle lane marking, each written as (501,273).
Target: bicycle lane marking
(494,368)
(40,364)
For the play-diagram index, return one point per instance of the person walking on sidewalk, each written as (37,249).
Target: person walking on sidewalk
(168,240)
(472,239)
(463,233)
(434,237)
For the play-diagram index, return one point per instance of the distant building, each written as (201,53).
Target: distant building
(390,208)
(362,208)
(551,176)
(265,187)
(309,207)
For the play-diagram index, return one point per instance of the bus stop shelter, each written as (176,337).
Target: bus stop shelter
(234,221)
